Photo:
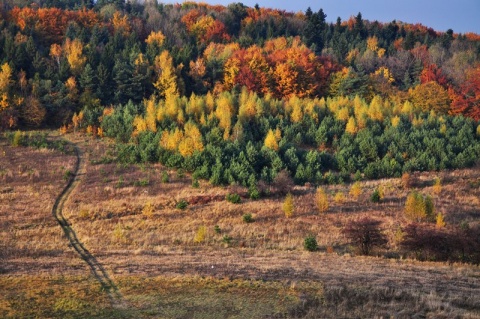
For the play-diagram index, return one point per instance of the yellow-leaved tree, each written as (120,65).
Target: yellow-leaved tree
(5,85)
(73,50)
(271,140)
(166,83)
(192,140)
(288,206)
(321,200)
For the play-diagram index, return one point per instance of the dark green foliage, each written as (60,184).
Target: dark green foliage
(195,183)
(233,198)
(165,178)
(182,204)
(310,243)
(248,218)
(375,197)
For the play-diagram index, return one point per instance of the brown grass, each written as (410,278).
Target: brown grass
(150,245)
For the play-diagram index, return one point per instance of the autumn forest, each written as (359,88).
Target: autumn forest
(250,105)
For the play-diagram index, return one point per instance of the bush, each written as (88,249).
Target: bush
(182,204)
(365,234)
(310,243)
(17,139)
(195,183)
(67,175)
(233,198)
(200,235)
(217,229)
(227,239)
(165,177)
(375,197)
(247,218)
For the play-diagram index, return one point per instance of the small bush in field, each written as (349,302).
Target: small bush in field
(227,239)
(195,183)
(437,186)
(165,178)
(233,198)
(200,235)
(217,229)
(407,180)
(17,139)
(148,209)
(248,218)
(67,175)
(375,197)
(356,190)
(182,204)
(440,221)
(142,182)
(310,243)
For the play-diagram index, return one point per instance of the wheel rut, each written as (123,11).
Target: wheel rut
(96,268)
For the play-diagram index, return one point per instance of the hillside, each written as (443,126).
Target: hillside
(197,161)
(149,250)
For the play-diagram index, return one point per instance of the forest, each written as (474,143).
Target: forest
(237,94)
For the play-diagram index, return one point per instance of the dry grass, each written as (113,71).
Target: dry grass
(128,219)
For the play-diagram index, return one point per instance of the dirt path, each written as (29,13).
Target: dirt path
(95,266)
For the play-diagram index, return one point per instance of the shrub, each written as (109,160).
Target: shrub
(440,221)
(180,173)
(17,139)
(375,197)
(282,183)
(407,181)
(321,200)
(142,182)
(339,198)
(227,239)
(217,229)
(356,190)
(310,243)
(182,204)
(437,186)
(67,175)
(200,235)
(419,208)
(195,183)
(165,178)
(253,192)
(233,198)
(248,218)
(429,243)
(148,209)
(365,234)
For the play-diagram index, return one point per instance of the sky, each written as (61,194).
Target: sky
(459,15)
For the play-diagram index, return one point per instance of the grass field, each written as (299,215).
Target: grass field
(204,261)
